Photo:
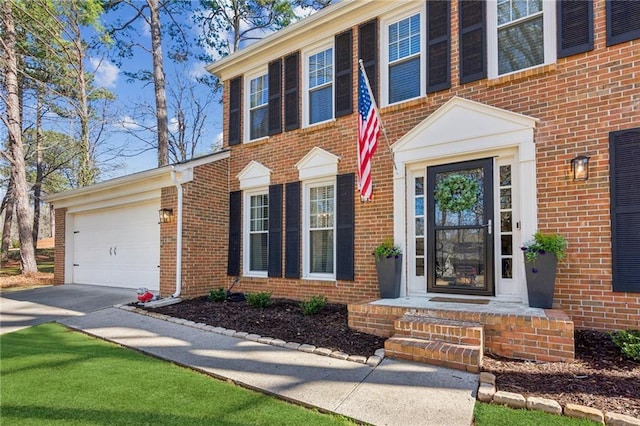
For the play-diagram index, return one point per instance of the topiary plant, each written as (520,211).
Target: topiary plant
(629,343)
(259,300)
(314,305)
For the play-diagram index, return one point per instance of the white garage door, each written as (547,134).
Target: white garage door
(118,247)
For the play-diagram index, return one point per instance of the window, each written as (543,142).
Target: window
(258,107)
(320,216)
(256,252)
(403,54)
(524,36)
(320,86)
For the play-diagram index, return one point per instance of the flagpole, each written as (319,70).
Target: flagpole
(375,106)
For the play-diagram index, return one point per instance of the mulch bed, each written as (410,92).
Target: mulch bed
(600,377)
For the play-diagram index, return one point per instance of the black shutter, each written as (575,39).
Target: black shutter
(235,93)
(575,27)
(438,45)
(275,231)
(345,227)
(473,40)
(235,233)
(344,74)
(368,52)
(291,97)
(623,21)
(275,97)
(292,231)
(624,147)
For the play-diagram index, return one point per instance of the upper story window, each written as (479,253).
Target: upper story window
(524,35)
(403,54)
(320,86)
(258,107)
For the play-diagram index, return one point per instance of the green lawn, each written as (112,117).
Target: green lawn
(51,375)
(497,415)
(44,260)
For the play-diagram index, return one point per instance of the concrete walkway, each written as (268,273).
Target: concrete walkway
(392,393)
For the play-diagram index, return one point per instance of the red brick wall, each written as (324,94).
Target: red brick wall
(205,231)
(578,100)
(58,252)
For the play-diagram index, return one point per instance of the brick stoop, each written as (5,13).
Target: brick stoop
(438,341)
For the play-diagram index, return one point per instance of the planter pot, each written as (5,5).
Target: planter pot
(541,283)
(389,273)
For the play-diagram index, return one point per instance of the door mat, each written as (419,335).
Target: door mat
(455,300)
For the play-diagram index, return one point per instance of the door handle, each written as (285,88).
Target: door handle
(489,226)
(110,251)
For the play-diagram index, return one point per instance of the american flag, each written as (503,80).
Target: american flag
(368,133)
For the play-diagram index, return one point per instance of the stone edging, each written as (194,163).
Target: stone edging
(487,392)
(371,361)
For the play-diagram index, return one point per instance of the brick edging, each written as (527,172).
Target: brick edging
(371,361)
(488,392)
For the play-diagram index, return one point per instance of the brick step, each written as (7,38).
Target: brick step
(435,352)
(430,328)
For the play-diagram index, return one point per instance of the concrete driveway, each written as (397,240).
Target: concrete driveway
(22,309)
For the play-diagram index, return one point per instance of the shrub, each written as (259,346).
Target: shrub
(218,295)
(261,299)
(313,305)
(629,343)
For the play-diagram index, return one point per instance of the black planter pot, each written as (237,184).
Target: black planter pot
(389,271)
(541,280)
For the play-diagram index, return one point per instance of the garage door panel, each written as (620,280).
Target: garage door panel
(118,247)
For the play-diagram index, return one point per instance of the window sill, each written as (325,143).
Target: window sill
(319,126)
(410,104)
(319,280)
(255,275)
(522,75)
(257,142)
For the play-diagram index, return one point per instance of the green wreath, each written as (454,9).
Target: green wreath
(456,193)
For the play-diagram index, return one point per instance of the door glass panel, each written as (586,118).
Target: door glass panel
(459,198)
(460,258)
(419,224)
(506,222)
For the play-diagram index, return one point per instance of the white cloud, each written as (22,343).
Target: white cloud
(196,70)
(146,28)
(173,124)
(128,123)
(105,72)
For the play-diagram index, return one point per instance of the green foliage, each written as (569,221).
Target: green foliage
(456,193)
(543,243)
(313,305)
(218,295)
(629,343)
(386,249)
(261,299)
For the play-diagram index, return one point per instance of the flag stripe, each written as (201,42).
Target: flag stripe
(368,133)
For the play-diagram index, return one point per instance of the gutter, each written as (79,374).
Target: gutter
(178,235)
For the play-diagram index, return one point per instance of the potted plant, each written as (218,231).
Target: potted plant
(389,268)
(541,256)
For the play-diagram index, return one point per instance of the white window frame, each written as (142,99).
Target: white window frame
(306,234)
(247,272)
(386,22)
(247,102)
(313,50)
(549,33)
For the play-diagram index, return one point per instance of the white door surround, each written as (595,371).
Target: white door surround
(462,130)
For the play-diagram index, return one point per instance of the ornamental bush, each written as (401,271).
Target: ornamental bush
(218,295)
(313,305)
(261,299)
(629,343)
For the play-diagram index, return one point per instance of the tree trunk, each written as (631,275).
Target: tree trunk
(16,148)
(37,187)
(8,203)
(159,85)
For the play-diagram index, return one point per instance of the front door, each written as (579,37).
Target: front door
(459,228)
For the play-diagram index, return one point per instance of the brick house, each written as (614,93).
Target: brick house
(505,94)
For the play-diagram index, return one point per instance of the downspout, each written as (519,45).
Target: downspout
(178,235)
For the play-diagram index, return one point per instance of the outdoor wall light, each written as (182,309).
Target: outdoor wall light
(166,215)
(580,168)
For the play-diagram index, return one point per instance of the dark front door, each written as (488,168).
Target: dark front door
(460,228)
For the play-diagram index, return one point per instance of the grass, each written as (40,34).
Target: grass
(51,375)
(497,415)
